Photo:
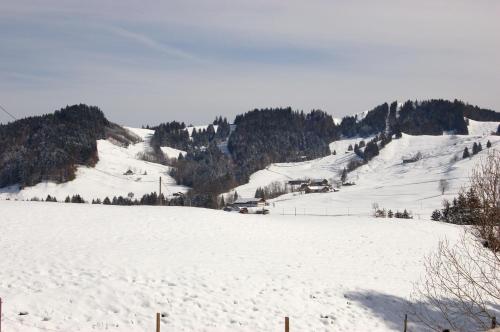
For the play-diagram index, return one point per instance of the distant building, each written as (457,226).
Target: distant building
(249,202)
(316,189)
(297,182)
(319,182)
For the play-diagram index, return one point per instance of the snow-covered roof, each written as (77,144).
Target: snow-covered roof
(317,187)
(248,200)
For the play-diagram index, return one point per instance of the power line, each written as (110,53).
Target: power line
(6,112)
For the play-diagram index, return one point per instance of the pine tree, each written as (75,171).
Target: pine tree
(475,148)
(466,153)
(480,147)
(488,144)
(390,214)
(106,201)
(67,200)
(436,215)
(235,197)
(349,148)
(334,152)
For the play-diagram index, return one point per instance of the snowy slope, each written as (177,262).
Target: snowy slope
(107,177)
(482,128)
(172,153)
(385,180)
(78,267)
(327,167)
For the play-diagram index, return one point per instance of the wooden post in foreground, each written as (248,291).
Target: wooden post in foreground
(157,322)
(406,322)
(493,320)
(287,324)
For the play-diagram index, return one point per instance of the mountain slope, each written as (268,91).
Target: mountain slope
(385,180)
(107,177)
(48,147)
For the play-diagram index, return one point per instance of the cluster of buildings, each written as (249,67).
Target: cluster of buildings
(258,205)
(309,186)
(249,205)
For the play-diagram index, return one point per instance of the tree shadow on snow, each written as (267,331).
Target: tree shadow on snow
(392,309)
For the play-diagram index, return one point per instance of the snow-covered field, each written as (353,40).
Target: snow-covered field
(80,267)
(108,177)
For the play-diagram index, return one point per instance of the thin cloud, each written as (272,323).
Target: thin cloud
(154,44)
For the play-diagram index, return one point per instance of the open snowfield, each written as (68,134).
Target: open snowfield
(80,267)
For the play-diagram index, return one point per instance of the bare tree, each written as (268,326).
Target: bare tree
(461,285)
(485,182)
(443,186)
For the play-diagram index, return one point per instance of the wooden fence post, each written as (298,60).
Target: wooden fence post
(406,322)
(157,322)
(493,322)
(287,324)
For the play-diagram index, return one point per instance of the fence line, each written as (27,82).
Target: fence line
(158,322)
(318,212)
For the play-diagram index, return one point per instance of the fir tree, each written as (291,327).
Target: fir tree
(436,215)
(466,153)
(488,144)
(475,148)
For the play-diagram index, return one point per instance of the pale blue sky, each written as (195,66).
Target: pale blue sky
(156,61)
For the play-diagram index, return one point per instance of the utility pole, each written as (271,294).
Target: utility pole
(159,194)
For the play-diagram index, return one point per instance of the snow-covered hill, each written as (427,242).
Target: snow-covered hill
(108,177)
(385,180)
(79,267)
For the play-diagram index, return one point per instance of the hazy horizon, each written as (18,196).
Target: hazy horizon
(152,62)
